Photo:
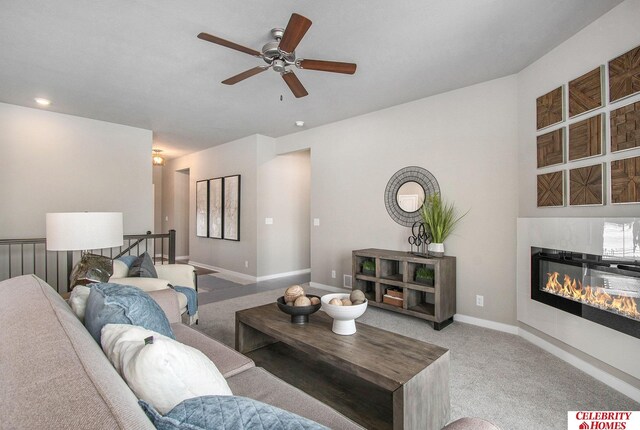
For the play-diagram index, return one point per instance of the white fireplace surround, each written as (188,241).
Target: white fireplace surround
(579,235)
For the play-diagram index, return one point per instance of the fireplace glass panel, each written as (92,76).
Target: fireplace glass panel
(603,289)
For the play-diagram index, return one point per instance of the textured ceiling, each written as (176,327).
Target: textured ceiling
(139,63)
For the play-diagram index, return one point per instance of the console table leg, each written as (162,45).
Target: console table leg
(440,325)
(249,339)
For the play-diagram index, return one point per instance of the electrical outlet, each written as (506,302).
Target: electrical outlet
(246,264)
(316,222)
(268,221)
(479,300)
(333,274)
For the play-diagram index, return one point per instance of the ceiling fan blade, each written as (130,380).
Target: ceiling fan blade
(327,66)
(294,84)
(244,75)
(218,41)
(293,34)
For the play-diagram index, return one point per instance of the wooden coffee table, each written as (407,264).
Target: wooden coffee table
(415,374)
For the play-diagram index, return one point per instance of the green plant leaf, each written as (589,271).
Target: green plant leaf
(440,217)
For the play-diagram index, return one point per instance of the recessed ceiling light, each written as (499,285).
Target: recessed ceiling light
(299,123)
(42,102)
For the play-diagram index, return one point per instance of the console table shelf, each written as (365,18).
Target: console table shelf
(395,277)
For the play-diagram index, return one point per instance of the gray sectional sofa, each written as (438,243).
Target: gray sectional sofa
(55,376)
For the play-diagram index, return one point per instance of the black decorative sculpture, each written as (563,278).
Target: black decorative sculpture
(420,238)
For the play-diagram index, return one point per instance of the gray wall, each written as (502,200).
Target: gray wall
(157,199)
(468,139)
(233,158)
(52,162)
(283,195)
(611,35)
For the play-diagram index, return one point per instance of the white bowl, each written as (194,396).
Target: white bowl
(343,316)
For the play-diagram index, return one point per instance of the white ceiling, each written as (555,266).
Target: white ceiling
(139,63)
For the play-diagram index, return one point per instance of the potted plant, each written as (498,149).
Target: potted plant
(369,268)
(440,218)
(424,275)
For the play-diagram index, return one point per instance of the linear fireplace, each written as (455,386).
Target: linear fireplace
(601,289)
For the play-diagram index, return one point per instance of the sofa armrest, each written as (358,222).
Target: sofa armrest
(177,274)
(168,301)
(145,284)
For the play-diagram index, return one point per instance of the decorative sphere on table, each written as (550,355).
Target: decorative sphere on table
(336,302)
(315,300)
(357,302)
(357,296)
(302,301)
(292,293)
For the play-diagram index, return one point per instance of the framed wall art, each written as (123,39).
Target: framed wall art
(551,189)
(586,138)
(585,92)
(216,193)
(549,109)
(625,181)
(202,208)
(586,186)
(625,127)
(624,75)
(231,211)
(550,148)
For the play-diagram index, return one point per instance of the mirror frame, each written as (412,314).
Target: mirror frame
(417,174)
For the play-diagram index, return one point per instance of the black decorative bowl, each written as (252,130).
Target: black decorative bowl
(299,314)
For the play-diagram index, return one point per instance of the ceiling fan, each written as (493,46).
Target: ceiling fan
(280,55)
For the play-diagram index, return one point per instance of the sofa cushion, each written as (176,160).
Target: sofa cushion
(123,304)
(258,384)
(160,370)
(142,267)
(49,365)
(229,361)
(120,269)
(227,413)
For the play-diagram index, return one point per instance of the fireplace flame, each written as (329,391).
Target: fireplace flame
(594,296)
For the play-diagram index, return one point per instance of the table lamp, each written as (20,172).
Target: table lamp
(84,231)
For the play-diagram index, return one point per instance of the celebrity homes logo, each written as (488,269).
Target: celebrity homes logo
(603,420)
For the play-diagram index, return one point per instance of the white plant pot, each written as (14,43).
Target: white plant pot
(436,249)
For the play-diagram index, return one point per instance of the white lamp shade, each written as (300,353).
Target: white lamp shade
(81,231)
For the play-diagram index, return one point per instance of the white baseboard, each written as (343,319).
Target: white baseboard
(328,287)
(284,274)
(507,328)
(602,376)
(221,270)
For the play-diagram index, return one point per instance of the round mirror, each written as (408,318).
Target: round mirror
(410,196)
(406,192)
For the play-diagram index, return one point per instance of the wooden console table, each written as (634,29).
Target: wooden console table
(395,271)
(415,374)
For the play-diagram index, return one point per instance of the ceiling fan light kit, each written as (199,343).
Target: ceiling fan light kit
(280,56)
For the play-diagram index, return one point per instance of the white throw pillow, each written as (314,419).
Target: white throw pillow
(78,300)
(120,269)
(163,373)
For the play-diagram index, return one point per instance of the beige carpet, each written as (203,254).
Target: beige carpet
(494,375)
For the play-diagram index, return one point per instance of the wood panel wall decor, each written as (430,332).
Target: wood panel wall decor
(625,180)
(586,186)
(585,93)
(549,109)
(625,127)
(586,138)
(551,189)
(624,75)
(551,148)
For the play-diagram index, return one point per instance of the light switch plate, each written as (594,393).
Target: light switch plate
(268,221)
(316,222)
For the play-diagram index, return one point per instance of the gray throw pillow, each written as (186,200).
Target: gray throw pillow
(142,267)
(227,413)
(123,304)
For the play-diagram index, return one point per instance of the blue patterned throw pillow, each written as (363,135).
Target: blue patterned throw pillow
(123,304)
(227,413)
